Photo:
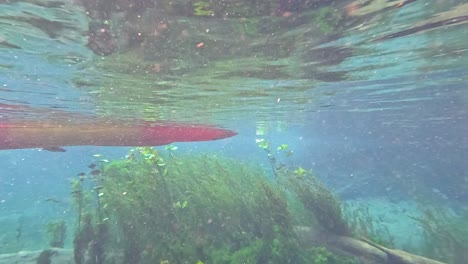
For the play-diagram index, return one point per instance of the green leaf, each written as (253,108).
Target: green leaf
(262,143)
(282,147)
(170,147)
(300,171)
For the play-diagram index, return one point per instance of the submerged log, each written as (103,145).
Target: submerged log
(58,256)
(55,255)
(366,251)
(402,257)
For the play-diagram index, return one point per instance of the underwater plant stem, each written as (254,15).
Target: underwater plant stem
(168,193)
(166,190)
(80,207)
(272,164)
(98,201)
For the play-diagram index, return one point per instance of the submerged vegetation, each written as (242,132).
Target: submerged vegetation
(200,209)
(45,257)
(364,225)
(319,203)
(57,231)
(168,208)
(445,234)
(91,233)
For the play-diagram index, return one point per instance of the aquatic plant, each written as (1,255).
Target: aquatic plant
(92,231)
(319,202)
(57,231)
(83,236)
(364,225)
(97,248)
(321,255)
(276,168)
(199,209)
(445,234)
(89,242)
(45,256)
(77,195)
(196,208)
(202,8)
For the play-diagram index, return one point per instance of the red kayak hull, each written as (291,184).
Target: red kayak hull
(22,135)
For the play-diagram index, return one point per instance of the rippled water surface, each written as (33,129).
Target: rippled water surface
(285,66)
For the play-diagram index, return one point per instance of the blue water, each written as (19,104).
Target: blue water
(374,119)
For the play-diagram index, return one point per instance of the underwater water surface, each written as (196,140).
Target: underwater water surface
(351,121)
